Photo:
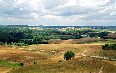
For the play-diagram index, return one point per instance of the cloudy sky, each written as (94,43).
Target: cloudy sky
(58,12)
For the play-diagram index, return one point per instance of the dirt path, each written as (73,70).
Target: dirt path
(101,69)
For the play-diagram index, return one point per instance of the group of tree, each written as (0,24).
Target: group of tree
(100,34)
(28,36)
(21,36)
(18,36)
(109,47)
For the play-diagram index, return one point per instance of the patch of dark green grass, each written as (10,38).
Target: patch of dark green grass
(10,64)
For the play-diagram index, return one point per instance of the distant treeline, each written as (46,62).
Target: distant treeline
(14,35)
(31,36)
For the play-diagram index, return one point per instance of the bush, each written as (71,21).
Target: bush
(106,47)
(109,47)
(21,64)
(21,44)
(60,61)
(34,62)
(1,43)
(69,55)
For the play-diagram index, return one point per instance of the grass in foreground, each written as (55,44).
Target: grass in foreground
(77,65)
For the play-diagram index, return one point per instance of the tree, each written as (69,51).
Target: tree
(69,55)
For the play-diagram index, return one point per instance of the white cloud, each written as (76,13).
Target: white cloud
(59,11)
(35,4)
(113,14)
(71,3)
(52,17)
(93,3)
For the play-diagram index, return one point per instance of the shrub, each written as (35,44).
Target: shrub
(60,61)
(109,47)
(21,44)
(21,64)
(34,62)
(1,43)
(69,55)
(106,47)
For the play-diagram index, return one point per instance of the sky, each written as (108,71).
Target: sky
(58,12)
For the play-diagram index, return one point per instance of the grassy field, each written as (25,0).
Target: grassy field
(104,42)
(83,41)
(48,58)
(77,65)
(11,57)
(57,50)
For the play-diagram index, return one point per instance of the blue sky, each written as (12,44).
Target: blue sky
(58,12)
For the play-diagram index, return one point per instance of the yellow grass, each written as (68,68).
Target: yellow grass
(48,55)
(76,65)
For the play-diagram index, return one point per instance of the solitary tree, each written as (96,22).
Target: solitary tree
(69,55)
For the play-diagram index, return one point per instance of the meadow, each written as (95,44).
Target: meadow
(48,58)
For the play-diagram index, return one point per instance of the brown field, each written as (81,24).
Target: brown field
(76,65)
(74,41)
(10,54)
(59,49)
(48,55)
(17,55)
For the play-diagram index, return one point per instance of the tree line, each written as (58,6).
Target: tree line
(28,36)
